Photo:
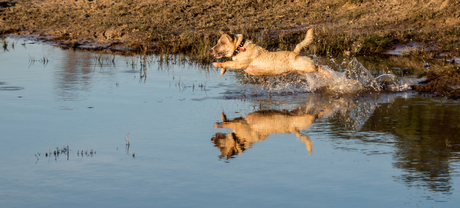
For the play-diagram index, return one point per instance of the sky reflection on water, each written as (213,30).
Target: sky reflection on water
(381,150)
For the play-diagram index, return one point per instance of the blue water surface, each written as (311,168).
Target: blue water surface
(366,152)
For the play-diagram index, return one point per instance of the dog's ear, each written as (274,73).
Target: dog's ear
(238,37)
(231,37)
(223,117)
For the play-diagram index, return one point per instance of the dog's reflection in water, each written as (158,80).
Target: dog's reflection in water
(258,125)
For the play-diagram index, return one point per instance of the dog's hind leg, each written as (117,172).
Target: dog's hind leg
(291,72)
(322,71)
(306,64)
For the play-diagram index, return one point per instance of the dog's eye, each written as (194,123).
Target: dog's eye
(222,43)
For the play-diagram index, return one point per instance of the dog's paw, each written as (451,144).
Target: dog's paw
(222,71)
(217,64)
(219,125)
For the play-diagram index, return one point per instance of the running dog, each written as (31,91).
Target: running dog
(255,60)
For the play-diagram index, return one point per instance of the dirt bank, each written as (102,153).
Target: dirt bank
(441,81)
(191,26)
(358,26)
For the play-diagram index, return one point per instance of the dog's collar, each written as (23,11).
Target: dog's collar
(239,144)
(239,48)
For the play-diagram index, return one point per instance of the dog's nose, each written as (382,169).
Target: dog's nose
(211,50)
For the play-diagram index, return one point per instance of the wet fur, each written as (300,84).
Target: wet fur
(255,60)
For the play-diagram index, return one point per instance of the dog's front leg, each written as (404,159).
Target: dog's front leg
(305,139)
(218,65)
(229,65)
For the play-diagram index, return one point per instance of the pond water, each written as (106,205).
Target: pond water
(198,139)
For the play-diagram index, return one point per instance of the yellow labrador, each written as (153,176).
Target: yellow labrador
(255,60)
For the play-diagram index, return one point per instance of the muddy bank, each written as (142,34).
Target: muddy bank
(441,81)
(184,26)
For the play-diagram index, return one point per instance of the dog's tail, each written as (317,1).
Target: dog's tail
(308,39)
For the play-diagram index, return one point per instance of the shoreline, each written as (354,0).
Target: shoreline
(360,27)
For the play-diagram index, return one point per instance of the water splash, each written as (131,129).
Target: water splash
(356,71)
(338,83)
(349,77)
(354,78)
(390,82)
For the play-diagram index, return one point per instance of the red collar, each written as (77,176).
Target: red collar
(240,48)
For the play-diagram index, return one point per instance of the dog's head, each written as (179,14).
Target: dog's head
(228,144)
(225,46)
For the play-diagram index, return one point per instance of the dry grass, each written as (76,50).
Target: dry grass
(191,27)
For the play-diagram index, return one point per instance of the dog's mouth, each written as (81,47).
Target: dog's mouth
(217,55)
